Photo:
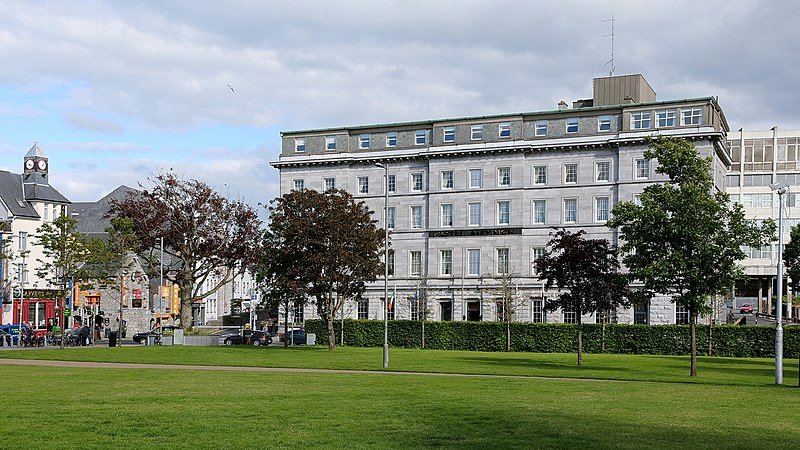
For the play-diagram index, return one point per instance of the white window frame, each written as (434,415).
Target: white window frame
(301,182)
(597,171)
(666,118)
(597,210)
(447,179)
(540,128)
(564,210)
(325,186)
(536,252)
(508,212)
(500,177)
(363,141)
(391,217)
(536,178)
(636,174)
(572,121)
(412,217)
(300,145)
(420,137)
(470,215)
(471,179)
(641,120)
(534,217)
(391,139)
(472,252)
(446,219)
(330,142)
(692,116)
(564,178)
(421,180)
(603,123)
(412,264)
(476,132)
(363,185)
(448,134)
(504,130)
(506,269)
(445,262)
(392,183)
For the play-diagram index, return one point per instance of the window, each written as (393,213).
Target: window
(641,120)
(299,145)
(413,306)
(504,176)
(330,184)
(536,253)
(391,139)
(504,130)
(692,116)
(46,212)
(447,179)
(601,205)
(570,210)
(476,132)
(475,178)
(390,307)
(449,134)
(416,263)
(637,200)
(604,123)
(416,217)
(503,212)
(445,262)
(420,137)
(446,310)
(570,173)
(299,185)
(390,217)
(447,215)
(416,181)
(570,316)
(757,200)
(732,181)
(474,214)
(390,263)
(539,211)
(502,261)
(537,310)
(641,313)
(642,169)
(23,241)
(540,128)
(22,273)
(681,315)
(474,262)
(666,118)
(363,309)
(572,125)
(606,316)
(392,183)
(330,142)
(363,185)
(602,171)
(297,312)
(363,141)
(540,175)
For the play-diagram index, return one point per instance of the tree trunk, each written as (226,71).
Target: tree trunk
(331,333)
(286,325)
(693,337)
(710,327)
(603,335)
(508,336)
(423,333)
(580,339)
(61,312)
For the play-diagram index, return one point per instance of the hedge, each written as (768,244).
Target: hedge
(727,340)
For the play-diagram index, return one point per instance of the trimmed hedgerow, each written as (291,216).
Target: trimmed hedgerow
(727,340)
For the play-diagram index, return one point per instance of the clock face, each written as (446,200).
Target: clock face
(42,164)
(29,164)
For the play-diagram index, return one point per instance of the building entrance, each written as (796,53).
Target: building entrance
(474,310)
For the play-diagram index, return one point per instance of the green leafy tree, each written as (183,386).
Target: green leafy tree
(791,259)
(586,274)
(64,250)
(329,244)
(684,239)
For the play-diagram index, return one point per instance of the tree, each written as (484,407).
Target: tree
(329,244)
(204,235)
(791,259)
(685,238)
(419,300)
(586,273)
(64,251)
(507,303)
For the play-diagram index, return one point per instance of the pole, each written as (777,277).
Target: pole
(779,303)
(385,167)
(163,308)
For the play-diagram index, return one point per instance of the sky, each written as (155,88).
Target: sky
(116,92)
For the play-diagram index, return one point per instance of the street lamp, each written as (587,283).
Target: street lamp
(781,188)
(385,167)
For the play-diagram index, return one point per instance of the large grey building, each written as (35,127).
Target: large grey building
(472,200)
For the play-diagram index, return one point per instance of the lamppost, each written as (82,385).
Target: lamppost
(385,167)
(781,188)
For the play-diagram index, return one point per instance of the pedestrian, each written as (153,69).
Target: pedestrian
(50,325)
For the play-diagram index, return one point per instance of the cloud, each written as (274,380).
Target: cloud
(93,123)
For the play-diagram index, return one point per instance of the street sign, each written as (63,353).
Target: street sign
(67,312)
(17,292)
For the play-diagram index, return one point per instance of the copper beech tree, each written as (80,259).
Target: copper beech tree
(206,236)
(327,246)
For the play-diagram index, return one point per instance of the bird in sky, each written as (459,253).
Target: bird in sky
(231,88)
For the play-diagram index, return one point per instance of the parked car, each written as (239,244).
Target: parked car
(141,338)
(297,336)
(257,338)
(746,309)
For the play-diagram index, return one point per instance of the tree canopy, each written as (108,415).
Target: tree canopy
(204,235)
(327,245)
(791,258)
(684,239)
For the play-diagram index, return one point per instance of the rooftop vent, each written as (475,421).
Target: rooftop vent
(562,105)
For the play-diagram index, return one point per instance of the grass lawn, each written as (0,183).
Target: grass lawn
(713,370)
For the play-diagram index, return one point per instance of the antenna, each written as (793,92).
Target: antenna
(611,61)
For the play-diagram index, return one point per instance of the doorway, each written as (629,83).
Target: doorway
(446,311)
(474,311)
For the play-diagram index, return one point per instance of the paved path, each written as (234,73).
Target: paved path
(108,365)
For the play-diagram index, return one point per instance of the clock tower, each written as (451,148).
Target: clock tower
(35,168)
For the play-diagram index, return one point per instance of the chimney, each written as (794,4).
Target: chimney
(562,105)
